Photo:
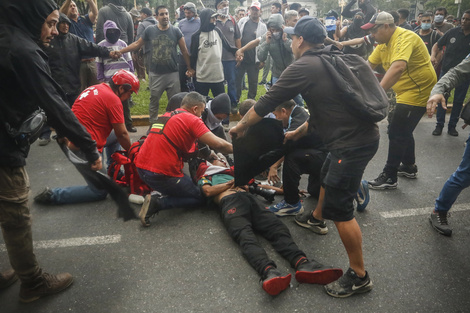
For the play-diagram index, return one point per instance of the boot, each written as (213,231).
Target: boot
(44,285)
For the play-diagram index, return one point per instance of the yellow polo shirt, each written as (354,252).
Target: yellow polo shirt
(416,82)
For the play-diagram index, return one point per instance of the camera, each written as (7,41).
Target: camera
(267,194)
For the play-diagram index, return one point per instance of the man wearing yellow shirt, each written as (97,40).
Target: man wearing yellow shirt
(409,72)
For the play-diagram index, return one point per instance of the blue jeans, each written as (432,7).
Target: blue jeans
(457,182)
(178,192)
(298,99)
(88,193)
(230,74)
(459,97)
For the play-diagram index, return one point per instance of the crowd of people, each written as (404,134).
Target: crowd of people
(55,67)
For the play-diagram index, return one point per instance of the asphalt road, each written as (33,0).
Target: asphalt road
(186,262)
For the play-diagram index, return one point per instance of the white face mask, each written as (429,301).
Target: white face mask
(439,18)
(277,35)
(223,11)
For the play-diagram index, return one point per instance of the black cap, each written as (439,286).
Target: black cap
(310,28)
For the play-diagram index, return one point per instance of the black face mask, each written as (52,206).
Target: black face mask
(358,22)
(112,37)
(211,26)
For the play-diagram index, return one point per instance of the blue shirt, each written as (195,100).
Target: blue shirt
(83,28)
(188,28)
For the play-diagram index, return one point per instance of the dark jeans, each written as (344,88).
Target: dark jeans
(127,112)
(459,97)
(401,147)
(252,72)
(178,192)
(230,74)
(296,163)
(15,221)
(216,88)
(182,68)
(242,215)
(341,175)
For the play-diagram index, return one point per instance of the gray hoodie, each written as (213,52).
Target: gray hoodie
(280,50)
(121,17)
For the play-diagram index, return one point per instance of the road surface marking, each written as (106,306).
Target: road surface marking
(73,242)
(422,211)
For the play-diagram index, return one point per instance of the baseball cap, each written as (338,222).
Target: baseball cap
(310,28)
(378,19)
(256,4)
(146,11)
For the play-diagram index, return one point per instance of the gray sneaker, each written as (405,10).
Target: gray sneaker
(439,222)
(44,197)
(149,208)
(308,221)
(349,284)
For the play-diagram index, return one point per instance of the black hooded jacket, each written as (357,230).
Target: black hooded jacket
(364,7)
(26,83)
(65,53)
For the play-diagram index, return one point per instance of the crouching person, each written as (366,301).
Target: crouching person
(99,109)
(243,215)
(160,160)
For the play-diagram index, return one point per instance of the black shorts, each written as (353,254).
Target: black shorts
(341,176)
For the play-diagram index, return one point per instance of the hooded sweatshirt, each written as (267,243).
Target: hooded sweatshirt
(27,83)
(65,53)
(280,50)
(121,17)
(206,50)
(106,66)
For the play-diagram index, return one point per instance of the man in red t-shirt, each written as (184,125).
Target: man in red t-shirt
(99,109)
(160,163)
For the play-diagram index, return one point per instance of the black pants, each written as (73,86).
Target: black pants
(127,112)
(252,72)
(242,215)
(296,163)
(401,147)
(182,68)
(216,88)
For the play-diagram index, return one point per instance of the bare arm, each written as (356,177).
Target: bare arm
(372,65)
(352,42)
(216,143)
(65,7)
(251,45)
(393,74)
(122,136)
(238,43)
(436,55)
(135,46)
(295,135)
(93,13)
(249,119)
(272,176)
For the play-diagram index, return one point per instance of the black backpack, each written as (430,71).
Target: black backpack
(356,83)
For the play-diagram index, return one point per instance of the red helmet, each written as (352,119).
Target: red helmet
(123,77)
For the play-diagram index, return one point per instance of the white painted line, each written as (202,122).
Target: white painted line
(422,211)
(73,242)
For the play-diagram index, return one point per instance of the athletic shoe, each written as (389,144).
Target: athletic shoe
(44,141)
(437,131)
(349,284)
(383,182)
(309,222)
(274,282)
(44,197)
(452,131)
(150,207)
(408,171)
(312,272)
(439,222)
(7,278)
(283,208)
(131,129)
(362,196)
(44,285)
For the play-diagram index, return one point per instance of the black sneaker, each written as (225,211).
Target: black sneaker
(452,131)
(308,221)
(437,131)
(150,207)
(439,222)
(274,282)
(349,284)
(312,272)
(408,171)
(44,197)
(383,182)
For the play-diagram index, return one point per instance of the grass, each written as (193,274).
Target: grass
(142,100)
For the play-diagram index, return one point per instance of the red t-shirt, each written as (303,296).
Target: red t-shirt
(159,156)
(97,108)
